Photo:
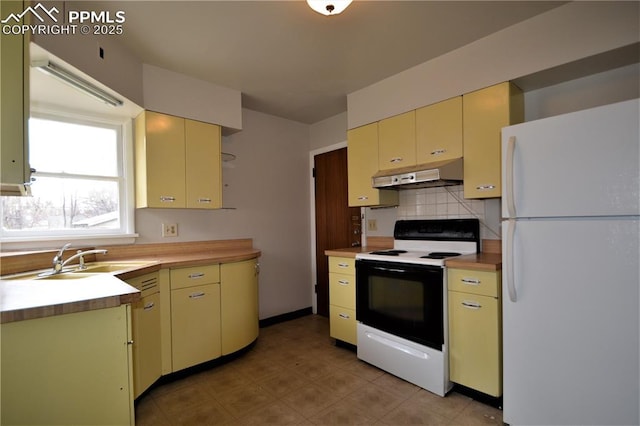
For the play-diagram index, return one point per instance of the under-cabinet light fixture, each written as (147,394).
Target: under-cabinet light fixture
(328,7)
(76,82)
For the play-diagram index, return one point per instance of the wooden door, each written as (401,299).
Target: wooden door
(337,224)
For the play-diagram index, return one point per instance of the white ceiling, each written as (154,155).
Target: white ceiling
(291,62)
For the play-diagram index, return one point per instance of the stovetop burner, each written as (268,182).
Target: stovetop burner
(389,252)
(440,255)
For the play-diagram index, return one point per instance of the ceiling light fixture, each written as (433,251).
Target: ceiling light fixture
(328,7)
(76,82)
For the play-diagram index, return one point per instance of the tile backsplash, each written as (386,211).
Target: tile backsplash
(437,203)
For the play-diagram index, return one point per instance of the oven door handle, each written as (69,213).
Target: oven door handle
(381,268)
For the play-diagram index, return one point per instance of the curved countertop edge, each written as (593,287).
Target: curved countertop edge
(30,299)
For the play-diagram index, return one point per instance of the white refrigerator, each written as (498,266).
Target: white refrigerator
(571,274)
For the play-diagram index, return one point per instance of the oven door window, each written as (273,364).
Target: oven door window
(402,299)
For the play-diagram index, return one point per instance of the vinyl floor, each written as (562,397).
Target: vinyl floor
(296,375)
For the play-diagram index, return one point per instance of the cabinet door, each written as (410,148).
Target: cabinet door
(68,369)
(195,325)
(239,310)
(203,165)
(163,158)
(362,164)
(486,112)
(439,131)
(397,143)
(147,362)
(475,355)
(14,110)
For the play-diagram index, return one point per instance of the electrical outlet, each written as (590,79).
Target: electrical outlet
(372,225)
(169,229)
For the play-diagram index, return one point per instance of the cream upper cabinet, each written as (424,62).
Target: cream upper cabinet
(439,131)
(239,310)
(178,162)
(397,141)
(203,171)
(485,113)
(362,164)
(15,172)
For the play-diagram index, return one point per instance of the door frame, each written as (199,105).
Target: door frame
(312,216)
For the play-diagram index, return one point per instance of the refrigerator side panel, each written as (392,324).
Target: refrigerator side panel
(584,163)
(571,337)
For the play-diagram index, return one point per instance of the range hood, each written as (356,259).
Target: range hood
(439,173)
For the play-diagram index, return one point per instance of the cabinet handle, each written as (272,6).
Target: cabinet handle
(344,316)
(129,342)
(204,200)
(167,199)
(343,265)
(196,275)
(343,282)
(363,197)
(470,281)
(485,187)
(149,305)
(196,295)
(438,151)
(471,305)
(396,160)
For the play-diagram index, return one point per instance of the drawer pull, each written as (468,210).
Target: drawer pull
(485,187)
(196,295)
(196,275)
(344,316)
(343,265)
(204,200)
(167,199)
(471,304)
(470,281)
(363,197)
(149,305)
(343,282)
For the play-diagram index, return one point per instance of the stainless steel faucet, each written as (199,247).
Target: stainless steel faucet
(58,263)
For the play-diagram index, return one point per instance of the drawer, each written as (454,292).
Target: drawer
(342,265)
(342,324)
(342,290)
(484,283)
(195,275)
(147,284)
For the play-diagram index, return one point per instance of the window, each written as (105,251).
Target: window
(80,186)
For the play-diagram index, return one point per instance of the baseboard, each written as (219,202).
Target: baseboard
(285,317)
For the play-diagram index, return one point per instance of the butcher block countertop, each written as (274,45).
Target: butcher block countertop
(479,262)
(29,299)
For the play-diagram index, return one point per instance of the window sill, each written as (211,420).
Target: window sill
(55,242)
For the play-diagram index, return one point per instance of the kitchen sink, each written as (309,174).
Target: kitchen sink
(91,268)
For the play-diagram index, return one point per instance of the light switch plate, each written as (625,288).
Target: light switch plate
(169,229)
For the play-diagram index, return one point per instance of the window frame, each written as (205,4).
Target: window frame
(125,234)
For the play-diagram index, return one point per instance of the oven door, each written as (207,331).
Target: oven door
(402,299)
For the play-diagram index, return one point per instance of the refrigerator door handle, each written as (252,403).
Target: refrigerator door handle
(509,273)
(511,203)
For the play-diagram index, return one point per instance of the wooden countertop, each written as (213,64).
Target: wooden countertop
(479,262)
(29,299)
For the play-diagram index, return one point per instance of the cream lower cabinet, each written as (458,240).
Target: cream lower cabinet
(68,369)
(342,299)
(475,338)
(195,315)
(239,317)
(147,349)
